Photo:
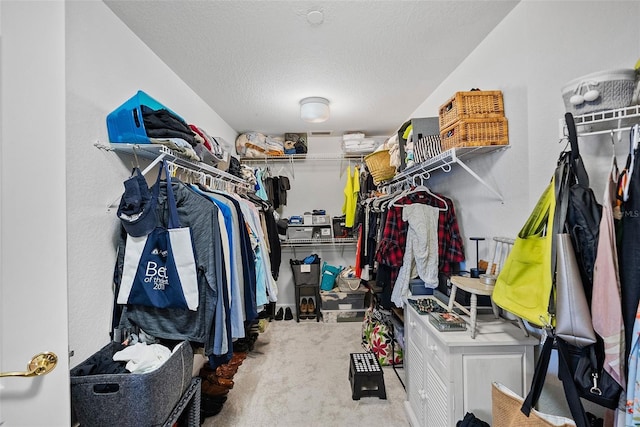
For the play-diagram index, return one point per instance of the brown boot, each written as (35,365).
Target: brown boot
(237,359)
(214,379)
(226,371)
(212,389)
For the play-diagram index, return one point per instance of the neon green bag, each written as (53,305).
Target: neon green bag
(524,287)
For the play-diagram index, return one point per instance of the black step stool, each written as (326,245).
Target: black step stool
(366,376)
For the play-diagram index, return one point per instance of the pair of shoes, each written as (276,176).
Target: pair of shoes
(210,405)
(223,382)
(242,344)
(304,308)
(288,315)
(211,376)
(279,314)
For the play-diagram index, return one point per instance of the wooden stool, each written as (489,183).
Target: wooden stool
(499,251)
(366,376)
(475,288)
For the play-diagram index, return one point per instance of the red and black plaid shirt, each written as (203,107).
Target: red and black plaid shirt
(394,235)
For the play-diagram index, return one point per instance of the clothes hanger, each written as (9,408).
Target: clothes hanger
(634,139)
(421,188)
(614,161)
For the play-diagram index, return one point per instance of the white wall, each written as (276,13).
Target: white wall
(529,56)
(106,64)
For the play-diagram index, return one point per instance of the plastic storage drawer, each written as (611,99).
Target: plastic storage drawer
(299,232)
(126,125)
(342,300)
(131,399)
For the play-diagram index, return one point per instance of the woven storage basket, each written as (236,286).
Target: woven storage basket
(379,164)
(475,104)
(615,90)
(475,133)
(505,411)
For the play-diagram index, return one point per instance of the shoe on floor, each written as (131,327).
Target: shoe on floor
(210,410)
(210,400)
(279,314)
(223,371)
(287,314)
(311,306)
(212,389)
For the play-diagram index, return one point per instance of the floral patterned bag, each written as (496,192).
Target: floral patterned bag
(377,337)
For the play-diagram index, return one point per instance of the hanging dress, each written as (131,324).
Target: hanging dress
(606,311)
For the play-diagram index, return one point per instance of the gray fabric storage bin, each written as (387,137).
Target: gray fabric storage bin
(311,277)
(425,126)
(133,400)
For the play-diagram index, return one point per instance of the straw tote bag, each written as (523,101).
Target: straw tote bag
(506,404)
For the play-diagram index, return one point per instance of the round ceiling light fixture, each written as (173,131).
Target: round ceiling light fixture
(314,109)
(315,17)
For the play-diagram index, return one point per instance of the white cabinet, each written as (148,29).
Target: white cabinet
(450,374)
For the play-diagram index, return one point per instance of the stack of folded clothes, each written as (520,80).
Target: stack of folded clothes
(255,144)
(357,143)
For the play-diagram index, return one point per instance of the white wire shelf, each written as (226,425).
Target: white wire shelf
(158,152)
(603,122)
(442,163)
(329,241)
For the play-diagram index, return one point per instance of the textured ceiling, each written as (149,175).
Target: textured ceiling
(252,61)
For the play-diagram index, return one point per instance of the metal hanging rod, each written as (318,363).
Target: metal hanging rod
(212,177)
(309,156)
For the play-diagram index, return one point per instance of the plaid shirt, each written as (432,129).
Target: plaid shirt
(394,236)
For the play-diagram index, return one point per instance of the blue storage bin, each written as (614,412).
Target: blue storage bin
(125,123)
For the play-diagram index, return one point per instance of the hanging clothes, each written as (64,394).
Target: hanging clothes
(450,246)
(202,325)
(633,376)
(351,190)
(260,186)
(606,310)
(629,250)
(235,277)
(421,250)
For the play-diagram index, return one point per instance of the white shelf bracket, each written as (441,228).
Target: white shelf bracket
(480,180)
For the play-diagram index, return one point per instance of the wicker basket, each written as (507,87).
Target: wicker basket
(475,132)
(379,164)
(474,104)
(614,88)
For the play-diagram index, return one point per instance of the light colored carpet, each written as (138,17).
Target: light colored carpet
(298,374)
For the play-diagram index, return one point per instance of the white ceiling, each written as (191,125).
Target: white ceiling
(252,61)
